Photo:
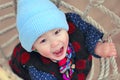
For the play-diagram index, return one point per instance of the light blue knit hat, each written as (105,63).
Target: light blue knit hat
(35,17)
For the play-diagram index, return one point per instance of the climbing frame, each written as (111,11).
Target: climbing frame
(9,28)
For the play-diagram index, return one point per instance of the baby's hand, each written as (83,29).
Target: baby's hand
(106,49)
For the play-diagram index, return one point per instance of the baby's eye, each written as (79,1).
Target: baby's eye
(43,40)
(57,31)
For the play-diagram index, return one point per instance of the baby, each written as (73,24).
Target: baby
(54,45)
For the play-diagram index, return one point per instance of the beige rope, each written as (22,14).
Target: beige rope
(113,61)
(10,41)
(107,67)
(10,15)
(102,67)
(111,33)
(113,16)
(88,19)
(3,75)
(105,63)
(85,13)
(74,9)
(115,68)
(6,5)
(92,3)
(8,29)
(7,75)
(96,2)
(58,3)
(2,54)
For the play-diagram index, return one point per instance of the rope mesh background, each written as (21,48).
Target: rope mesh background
(93,11)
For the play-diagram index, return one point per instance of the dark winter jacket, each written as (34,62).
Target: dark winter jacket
(82,35)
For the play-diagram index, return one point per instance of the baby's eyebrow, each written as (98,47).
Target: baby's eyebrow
(42,36)
(56,29)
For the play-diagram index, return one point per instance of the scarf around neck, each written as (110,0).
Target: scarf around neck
(67,65)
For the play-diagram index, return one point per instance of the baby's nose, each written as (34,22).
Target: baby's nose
(54,43)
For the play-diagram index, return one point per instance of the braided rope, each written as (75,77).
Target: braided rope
(113,16)
(74,9)
(104,67)
(92,3)
(105,64)
(10,15)
(58,3)
(113,32)
(5,74)
(85,13)
(8,29)
(2,54)
(90,20)
(10,41)
(113,62)
(6,5)
(107,68)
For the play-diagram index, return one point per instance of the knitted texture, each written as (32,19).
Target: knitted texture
(79,31)
(39,75)
(66,64)
(35,17)
(92,34)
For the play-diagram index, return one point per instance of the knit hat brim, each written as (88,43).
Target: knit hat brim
(39,24)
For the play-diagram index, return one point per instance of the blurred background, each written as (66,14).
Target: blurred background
(9,32)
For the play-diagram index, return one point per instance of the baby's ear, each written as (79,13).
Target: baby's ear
(33,48)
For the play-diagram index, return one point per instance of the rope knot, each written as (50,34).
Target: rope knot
(95,3)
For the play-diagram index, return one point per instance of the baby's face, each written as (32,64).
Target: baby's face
(53,44)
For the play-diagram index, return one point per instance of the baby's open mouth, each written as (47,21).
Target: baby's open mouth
(59,52)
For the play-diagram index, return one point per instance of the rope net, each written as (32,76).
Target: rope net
(105,64)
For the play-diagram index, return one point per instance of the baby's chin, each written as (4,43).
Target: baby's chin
(59,58)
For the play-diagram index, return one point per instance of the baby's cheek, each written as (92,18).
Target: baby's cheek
(45,53)
(66,39)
